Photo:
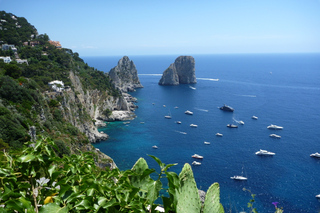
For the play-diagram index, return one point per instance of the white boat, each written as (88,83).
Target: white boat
(188,112)
(178,122)
(196,163)
(317,155)
(275,136)
(232,126)
(176,107)
(168,116)
(155,147)
(264,152)
(126,122)
(272,126)
(197,156)
(254,117)
(194,125)
(241,122)
(238,177)
(206,142)
(318,196)
(219,134)
(164,106)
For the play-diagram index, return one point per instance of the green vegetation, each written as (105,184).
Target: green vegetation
(40,181)
(25,98)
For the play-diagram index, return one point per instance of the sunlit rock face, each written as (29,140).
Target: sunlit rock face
(182,71)
(125,75)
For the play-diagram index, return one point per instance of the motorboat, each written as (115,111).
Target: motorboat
(206,142)
(196,163)
(178,122)
(194,125)
(254,117)
(155,147)
(126,122)
(264,152)
(272,126)
(219,134)
(318,196)
(176,107)
(275,136)
(197,156)
(241,122)
(188,112)
(232,126)
(317,155)
(227,108)
(167,117)
(238,177)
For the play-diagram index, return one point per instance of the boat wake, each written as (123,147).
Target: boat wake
(184,133)
(208,79)
(203,110)
(239,122)
(250,96)
(151,74)
(192,87)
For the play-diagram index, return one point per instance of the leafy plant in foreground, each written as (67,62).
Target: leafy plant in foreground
(39,181)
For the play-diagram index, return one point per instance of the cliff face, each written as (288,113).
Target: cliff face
(182,71)
(86,109)
(125,76)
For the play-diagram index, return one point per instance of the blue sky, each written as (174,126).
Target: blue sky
(127,27)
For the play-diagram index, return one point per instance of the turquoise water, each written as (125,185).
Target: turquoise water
(280,89)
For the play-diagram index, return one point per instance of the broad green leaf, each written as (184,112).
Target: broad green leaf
(53,208)
(158,161)
(39,142)
(84,203)
(102,201)
(26,158)
(51,169)
(153,190)
(168,166)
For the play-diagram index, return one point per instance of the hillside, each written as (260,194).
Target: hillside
(29,105)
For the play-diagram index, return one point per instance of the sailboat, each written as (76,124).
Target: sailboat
(239,177)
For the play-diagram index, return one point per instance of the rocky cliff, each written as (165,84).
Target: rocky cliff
(86,109)
(182,71)
(124,76)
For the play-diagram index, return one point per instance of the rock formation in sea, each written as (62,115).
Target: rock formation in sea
(182,71)
(124,76)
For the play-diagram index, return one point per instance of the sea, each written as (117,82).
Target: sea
(280,89)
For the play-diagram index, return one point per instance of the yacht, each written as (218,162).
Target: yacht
(155,147)
(197,156)
(274,127)
(275,136)
(167,117)
(178,122)
(232,126)
(254,117)
(194,125)
(317,155)
(188,112)
(219,134)
(264,152)
(206,142)
(196,163)
(227,108)
(241,122)
(318,196)
(237,177)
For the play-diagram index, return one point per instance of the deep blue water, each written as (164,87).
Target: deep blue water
(281,89)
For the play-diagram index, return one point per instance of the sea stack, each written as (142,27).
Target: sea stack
(182,71)
(124,76)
